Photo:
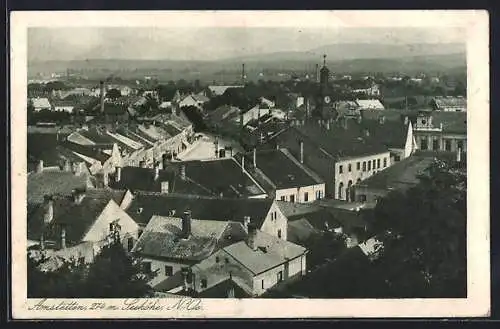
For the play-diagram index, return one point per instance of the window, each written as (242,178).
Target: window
(369,165)
(362,198)
(169,270)
(460,145)
(318,195)
(227,260)
(203,283)
(364,165)
(341,169)
(111,227)
(130,244)
(358,165)
(280,276)
(139,233)
(146,266)
(81,260)
(262,283)
(306,197)
(447,145)
(349,167)
(283,198)
(374,163)
(435,145)
(397,158)
(292,198)
(279,234)
(378,163)
(217,259)
(423,144)
(341,189)
(385,162)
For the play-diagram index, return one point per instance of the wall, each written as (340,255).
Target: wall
(356,174)
(368,194)
(299,192)
(159,266)
(270,277)
(272,226)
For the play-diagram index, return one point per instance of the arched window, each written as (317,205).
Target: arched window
(358,181)
(341,189)
(349,191)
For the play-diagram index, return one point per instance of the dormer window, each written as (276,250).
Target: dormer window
(139,210)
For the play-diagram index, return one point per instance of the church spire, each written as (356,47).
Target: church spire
(324,60)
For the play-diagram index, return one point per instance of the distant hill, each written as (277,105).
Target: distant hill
(341,58)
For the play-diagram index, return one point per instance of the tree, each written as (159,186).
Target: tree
(424,235)
(113,274)
(116,274)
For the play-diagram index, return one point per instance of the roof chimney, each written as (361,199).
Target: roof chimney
(183,171)
(105,179)
(359,118)
(459,154)
(327,124)
(246,222)
(118,174)
(101,88)
(301,152)
(39,166)
(406,121)
(381,119)
(367,133)
(77,168)
(186,224)
(251,236)
(78,196)
(67,166)
(243,162)
(165,187)
(255,157)
(48,216)
(156,171)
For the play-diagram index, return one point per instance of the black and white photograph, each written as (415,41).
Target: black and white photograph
(177,162)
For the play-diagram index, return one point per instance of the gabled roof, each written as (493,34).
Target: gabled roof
(271,252)
(219,90)
(146,205)
(162,237)
(51,182)
(223,112)
(77,218)
(143,179)
(94,152)
(226,177)
(200,98)
(300,230)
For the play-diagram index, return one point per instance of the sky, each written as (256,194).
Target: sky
(202,43)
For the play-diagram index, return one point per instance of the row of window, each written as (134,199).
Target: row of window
(319,195)
(424,144)
(375,164)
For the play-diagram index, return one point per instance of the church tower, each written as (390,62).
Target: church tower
(323,77)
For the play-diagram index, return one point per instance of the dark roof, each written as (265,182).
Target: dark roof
(223,112)
(143,179)
(340,142)
(46,147)
(283,170)
(146,205)
(225,176)
(221,290)
(97,135)
(318,219)
(300,230)
(77,218)
(92,151)
(53,182)
(105,193)
(453,122)
(401,175)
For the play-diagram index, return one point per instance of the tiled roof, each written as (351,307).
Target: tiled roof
(340,142)
(200,98)
(41,103)
(369,104)
(402,174)
(458,102)
(91,151)
(226,177)
(223,112)
(146,205)
(300,230)
(162,238)
(41,146)
(77,218)
(142,179)
(282,170)
(219,90)
(453,122)
(53,181)
(221,289)
(271,252)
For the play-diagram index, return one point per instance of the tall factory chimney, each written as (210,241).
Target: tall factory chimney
(317,73)
(243,78)
(101,89)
